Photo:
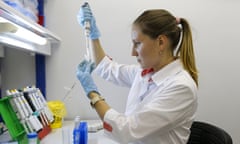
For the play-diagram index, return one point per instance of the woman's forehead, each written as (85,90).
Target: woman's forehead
(135,32)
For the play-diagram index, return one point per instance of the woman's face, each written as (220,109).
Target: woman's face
(146,49)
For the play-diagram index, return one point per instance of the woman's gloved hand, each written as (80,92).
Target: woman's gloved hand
(84,71)
(85,14)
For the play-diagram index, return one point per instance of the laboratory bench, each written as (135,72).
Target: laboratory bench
(58,135)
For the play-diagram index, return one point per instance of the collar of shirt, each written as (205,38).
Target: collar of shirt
(169,70)
(146,75)
(146,71)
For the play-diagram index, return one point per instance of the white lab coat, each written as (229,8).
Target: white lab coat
(158,112)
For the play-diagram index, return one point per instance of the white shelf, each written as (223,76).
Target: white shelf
(11,21)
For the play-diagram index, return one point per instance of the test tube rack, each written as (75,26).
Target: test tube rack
(25,111)
(14,126)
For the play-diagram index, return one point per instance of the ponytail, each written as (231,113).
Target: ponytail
(186,51)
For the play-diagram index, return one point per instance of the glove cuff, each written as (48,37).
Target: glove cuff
(95,100)
(94,92)
(95,34)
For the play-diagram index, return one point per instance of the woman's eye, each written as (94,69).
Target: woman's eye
(136,43)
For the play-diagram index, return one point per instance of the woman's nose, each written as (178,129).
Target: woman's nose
(134,52)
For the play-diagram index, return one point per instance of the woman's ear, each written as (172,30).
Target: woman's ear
(162,39)
(162,42)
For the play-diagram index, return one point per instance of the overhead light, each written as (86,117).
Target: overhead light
(30,36)
(20,32)
(7,27)
(13,29)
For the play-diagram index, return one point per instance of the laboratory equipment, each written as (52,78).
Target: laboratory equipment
(83,127)
(59,111)
(87,29)
(32,138)
(76,131)
(88,56)
(66,135)
(69,90)
(25,108)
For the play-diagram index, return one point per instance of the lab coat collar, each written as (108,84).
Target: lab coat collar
(169,70)
(146,71)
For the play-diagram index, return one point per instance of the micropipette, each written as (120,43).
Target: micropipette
(87,28)
(87,56)
(87,33)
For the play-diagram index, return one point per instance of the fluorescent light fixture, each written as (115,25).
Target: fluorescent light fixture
(13,29)
(19,31)
(30,36)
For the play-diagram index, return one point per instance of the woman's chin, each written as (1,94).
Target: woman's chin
(143,66)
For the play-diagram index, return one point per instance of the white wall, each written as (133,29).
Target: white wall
(216,31)
(17,69)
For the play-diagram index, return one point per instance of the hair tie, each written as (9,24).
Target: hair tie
(178,20)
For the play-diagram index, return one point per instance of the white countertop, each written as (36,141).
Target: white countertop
(57,136)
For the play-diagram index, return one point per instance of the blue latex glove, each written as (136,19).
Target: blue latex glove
(84,71)
(85,14)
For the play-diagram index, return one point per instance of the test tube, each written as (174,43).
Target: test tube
(66,135)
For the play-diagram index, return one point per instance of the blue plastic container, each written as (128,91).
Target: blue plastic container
(83,133)
(80,134)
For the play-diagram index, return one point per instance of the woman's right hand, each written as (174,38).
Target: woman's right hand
(85,15)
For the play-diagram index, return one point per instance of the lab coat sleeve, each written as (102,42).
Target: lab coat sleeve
(165,112)
(119,74)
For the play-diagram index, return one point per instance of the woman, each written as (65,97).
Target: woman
(162,100)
